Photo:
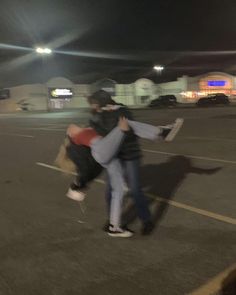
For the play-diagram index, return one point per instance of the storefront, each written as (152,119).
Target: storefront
(61,93)
(190,89)
(210,83)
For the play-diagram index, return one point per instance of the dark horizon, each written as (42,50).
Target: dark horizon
(115,39)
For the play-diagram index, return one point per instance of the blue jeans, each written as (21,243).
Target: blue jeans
(132,174)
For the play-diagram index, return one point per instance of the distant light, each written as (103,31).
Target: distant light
(158,68)
(43,50)
(48,50)
(39,50)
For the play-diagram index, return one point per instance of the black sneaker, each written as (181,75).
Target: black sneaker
(119,232)
(169,132)
(147,228)
(106,226)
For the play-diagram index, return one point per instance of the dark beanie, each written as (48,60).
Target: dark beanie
(101,97)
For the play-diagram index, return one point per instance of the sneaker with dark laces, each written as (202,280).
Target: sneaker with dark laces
(119,232)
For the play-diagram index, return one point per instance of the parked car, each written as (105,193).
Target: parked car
(213,99)
(4,93)
(164,101)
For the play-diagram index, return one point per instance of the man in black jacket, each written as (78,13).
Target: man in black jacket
(104,119)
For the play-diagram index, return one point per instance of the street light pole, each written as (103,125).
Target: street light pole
(44,51)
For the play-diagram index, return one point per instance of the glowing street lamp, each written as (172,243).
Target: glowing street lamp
(158,68)
(47,50)
(42,50)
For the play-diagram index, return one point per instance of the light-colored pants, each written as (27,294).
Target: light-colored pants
(104,151)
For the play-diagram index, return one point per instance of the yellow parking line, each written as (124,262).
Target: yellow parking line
(214,285)
(190,156)
(17,135)
(55,168)
(44,129)
(202,212)
(208,138)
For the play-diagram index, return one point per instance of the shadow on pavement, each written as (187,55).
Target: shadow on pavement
(229,284)
(163,180)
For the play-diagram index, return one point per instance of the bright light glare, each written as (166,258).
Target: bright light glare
(39,50)
(43,50)
(158,68)
(47,50)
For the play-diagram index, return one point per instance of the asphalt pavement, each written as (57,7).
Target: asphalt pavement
(48,246)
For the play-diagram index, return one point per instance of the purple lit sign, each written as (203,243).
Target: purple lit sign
(217,83)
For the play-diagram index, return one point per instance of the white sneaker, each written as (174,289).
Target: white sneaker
(119,232)
(75,195)
(169,132)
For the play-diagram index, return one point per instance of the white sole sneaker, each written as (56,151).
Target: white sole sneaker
(120,234)
(75,195)
(176,127)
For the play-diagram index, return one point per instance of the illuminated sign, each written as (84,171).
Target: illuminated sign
(216,83)
(60,93)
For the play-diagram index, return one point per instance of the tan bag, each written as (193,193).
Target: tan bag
(63,161)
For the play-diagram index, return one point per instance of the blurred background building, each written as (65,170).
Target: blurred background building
(61,93)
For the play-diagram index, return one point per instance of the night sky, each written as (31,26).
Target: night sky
(121,40)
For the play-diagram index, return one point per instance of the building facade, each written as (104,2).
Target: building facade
(61,93)
(190,89)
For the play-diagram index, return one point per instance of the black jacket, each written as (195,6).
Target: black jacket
(87,167)
(105,121)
